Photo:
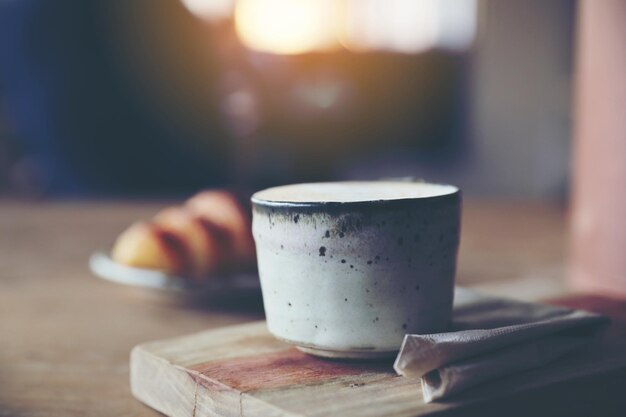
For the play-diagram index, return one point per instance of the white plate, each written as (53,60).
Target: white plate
(104,267)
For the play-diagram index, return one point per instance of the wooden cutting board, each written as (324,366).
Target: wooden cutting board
(243,371)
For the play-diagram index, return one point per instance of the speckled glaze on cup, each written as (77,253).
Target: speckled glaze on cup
(349,279)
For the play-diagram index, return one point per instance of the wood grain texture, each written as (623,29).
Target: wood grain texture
(266,378)
(65,336)
(242,371)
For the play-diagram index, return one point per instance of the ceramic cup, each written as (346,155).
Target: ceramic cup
(348,268)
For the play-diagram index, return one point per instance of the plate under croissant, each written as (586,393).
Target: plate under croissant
(104,267)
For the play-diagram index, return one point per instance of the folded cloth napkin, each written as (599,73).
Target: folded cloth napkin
(491,337)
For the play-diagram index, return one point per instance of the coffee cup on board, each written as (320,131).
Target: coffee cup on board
(348,268)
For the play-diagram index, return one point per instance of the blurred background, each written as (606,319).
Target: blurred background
(159,99)
(111,110)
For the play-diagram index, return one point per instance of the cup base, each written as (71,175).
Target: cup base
(348,354)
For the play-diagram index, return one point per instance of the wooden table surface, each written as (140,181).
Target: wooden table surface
(65,336)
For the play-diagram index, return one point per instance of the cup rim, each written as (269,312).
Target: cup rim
(261,202)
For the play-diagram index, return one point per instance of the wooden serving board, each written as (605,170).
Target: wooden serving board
(243,371)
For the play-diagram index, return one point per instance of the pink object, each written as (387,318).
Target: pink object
(598,251)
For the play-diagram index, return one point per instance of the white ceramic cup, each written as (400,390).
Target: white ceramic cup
(348,268)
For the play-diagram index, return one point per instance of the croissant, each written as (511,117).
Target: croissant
(226,210)
(210,235)
(207,246)
(144,245)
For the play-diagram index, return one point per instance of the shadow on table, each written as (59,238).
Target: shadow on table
(248,301)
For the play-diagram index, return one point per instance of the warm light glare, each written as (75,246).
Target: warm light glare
(409,26)
(211,10)
(300,26)
(287,26)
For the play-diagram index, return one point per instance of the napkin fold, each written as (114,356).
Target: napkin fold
(491,337)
